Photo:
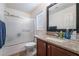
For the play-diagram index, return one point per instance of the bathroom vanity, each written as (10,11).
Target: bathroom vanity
(48,46)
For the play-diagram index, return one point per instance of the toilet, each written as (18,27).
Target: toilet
(30,48)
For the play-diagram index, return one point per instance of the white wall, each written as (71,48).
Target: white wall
(2,6)
(41,21)
(40,8)
(40,17)
(65,18)
(15,26)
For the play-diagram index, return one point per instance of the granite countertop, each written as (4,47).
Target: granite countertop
(71,45)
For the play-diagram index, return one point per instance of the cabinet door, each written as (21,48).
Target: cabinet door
(57,51)
(41,48)
(48,50)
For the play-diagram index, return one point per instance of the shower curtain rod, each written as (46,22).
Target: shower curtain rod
(8,14)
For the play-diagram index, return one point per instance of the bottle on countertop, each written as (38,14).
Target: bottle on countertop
(67,34)
(73,36)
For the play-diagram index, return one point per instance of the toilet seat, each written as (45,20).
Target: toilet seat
(29,44)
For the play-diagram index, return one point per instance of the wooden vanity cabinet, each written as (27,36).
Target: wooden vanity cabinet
(41,48)
(57,51)
(47,49)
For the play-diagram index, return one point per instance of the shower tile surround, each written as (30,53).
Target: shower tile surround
(19,30)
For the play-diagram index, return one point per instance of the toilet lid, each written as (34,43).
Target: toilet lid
(30,44)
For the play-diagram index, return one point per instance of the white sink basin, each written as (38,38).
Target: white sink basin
(56,39)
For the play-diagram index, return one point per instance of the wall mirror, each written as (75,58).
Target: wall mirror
(61,16)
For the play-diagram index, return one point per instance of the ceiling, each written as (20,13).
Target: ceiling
(26,7)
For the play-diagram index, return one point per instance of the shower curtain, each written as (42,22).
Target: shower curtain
(2,33)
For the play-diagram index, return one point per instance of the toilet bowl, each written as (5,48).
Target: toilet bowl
(30,45)
(30,48)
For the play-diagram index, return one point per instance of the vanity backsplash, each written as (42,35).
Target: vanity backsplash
(77,36)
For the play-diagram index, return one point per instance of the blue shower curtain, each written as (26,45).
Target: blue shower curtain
(2,33)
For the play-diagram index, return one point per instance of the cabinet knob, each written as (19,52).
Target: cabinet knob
(48,46)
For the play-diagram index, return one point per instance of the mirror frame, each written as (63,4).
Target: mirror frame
(48,14)
(48,20)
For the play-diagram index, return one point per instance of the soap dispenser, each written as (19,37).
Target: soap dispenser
(67,34)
